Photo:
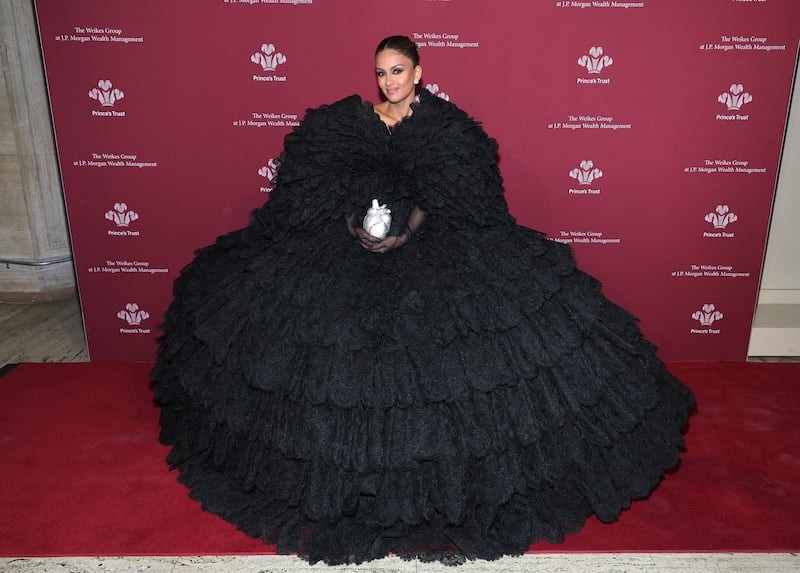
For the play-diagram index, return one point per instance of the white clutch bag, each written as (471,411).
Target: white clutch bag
(377,220)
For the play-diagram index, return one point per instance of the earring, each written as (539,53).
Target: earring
(416,82)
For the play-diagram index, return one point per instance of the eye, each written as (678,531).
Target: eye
(380,73)
(397,71)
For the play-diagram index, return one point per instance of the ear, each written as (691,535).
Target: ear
(418,73)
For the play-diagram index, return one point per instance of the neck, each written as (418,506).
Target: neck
(400,109)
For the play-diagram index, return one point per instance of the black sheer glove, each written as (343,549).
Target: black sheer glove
(415,218)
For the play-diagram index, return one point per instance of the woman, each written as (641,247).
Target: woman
(456,389)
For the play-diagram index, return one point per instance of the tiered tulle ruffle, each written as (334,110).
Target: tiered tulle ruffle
(467,394)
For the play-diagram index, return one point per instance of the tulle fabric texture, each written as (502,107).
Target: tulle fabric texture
(461,397)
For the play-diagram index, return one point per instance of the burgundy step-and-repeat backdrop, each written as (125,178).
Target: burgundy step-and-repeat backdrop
(647,135)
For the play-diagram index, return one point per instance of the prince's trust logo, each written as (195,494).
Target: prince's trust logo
(434,89)
(107,96)
(734,100)
(585,174)
(269,172)
(594,63)
(706,316)
(269,59)
(721,217)
(133,316)
(121,216)
(595,60)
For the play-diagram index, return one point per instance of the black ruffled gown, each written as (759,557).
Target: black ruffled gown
(464,395)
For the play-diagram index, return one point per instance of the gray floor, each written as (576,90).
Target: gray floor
(546,563)
(42,332)
(53,332)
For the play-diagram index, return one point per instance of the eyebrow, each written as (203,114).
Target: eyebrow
(393,67)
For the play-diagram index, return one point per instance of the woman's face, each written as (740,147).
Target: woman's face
(396,74)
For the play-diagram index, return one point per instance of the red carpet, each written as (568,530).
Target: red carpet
(82,473)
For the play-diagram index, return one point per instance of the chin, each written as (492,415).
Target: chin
(397,98)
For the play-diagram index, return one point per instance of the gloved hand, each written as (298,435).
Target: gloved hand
(375,245)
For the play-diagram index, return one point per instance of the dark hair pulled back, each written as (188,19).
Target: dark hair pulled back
(402,44)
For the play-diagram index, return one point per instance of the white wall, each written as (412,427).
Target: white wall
(776,328)
(780,282)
